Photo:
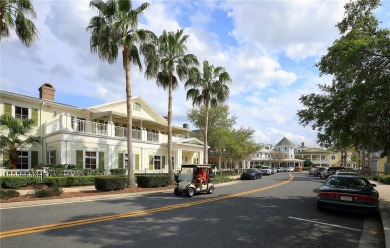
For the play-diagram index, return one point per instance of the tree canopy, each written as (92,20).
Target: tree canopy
(354,110)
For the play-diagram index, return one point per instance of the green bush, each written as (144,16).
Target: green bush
(48,192)
(10,193)
(110,183)
(384,179)
(118,171)
(18,182)
(152,180)
(69,181)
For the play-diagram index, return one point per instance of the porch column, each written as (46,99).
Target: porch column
(179,158)
(144,134)
(110,129)
(200,158)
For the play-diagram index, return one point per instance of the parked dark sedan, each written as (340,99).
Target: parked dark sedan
(348,192)
(251,174)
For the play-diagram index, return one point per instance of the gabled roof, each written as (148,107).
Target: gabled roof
(189,141)
(285,143)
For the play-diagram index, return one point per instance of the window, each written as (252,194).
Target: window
(137,106)
(21,113)
(157,162)
(22,160)
(51,157)
(333,157)
(90,160)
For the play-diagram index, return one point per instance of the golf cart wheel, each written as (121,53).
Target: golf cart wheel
(190,192)
(177,191)
(211,190)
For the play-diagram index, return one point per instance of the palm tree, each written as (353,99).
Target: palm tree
(12,140)
(170,58)
(115,28)
(13,16)
(208,89)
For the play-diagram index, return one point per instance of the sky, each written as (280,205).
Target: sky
(269,48)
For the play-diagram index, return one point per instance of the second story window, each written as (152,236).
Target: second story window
(137,106)
(21,113)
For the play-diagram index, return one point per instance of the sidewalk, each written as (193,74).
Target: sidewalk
(384,208)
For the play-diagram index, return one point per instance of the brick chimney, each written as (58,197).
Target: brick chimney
(46,92)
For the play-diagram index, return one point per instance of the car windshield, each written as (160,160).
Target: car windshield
(348,182)
(251,171)
(265,167)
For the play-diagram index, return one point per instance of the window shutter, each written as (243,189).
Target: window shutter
(47,157)
(34,159)
(151,164)
(79,158)
(163,162)
(120,160)
(101,160)
(7,109)
(137,161)
(34,116)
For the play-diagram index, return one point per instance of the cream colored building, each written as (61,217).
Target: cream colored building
(95,137)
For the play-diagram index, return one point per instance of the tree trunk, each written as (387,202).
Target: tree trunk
(206,126)
(170,166)
(130,165)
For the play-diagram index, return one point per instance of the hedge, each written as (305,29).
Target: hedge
(69,181)
(18,182)
(48,192)
(110,183)
(384,179)
(6,194)
(152,181)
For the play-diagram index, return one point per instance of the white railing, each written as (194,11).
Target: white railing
(53,126)
(101,129)
(152,136)
(23,173)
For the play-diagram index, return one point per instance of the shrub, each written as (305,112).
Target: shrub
(48,192)
(18,182)
(152,181)
(10,193)
(384,179)
(110,183)
(118,171)
(69,181)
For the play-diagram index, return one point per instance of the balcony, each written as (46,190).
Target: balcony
(65,123)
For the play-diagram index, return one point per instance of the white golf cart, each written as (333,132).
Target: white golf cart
(187,183)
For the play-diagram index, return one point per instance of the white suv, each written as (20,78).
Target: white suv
(266,170)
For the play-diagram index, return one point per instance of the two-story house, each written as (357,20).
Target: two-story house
(96,137)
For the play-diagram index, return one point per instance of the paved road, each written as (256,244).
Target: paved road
(270,212)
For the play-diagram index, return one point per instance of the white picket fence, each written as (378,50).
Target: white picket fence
(23,173)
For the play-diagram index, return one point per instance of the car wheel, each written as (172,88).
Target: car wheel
(319,207)
(210,190)
(190,192)
(176,191)
(253,177)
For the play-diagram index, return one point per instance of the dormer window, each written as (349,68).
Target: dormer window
(136,106)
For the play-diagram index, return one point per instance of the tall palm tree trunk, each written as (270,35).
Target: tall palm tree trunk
(206,127)
(130,167)
(170,165)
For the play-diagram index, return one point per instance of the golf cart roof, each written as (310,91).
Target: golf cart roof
(206,166)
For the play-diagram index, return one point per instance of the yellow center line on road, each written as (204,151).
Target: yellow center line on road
(29,230)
